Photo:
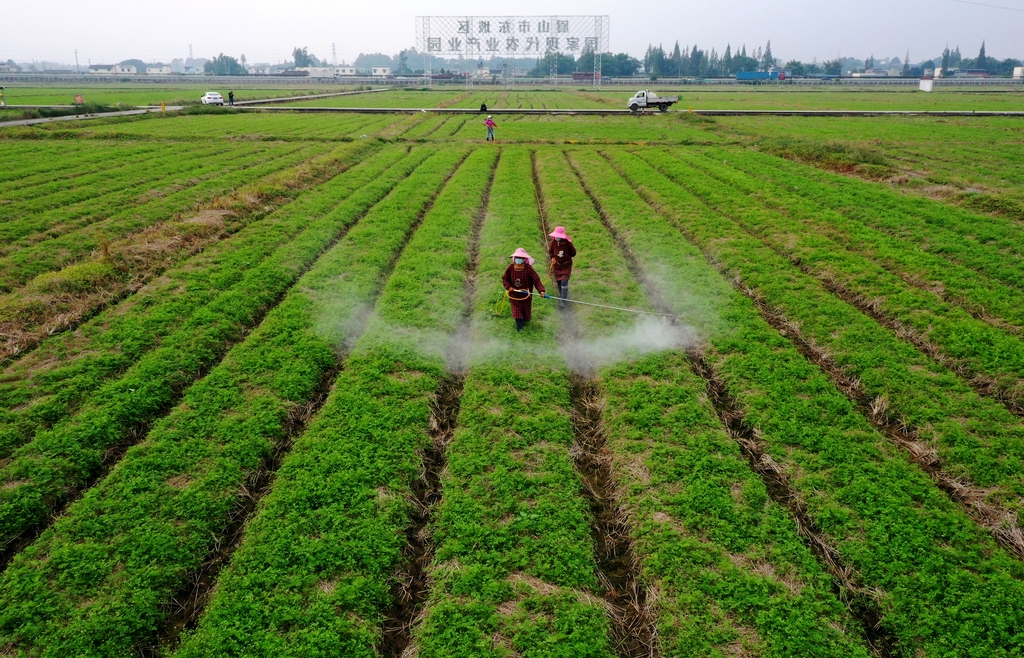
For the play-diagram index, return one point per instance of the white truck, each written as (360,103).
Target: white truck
(644,99)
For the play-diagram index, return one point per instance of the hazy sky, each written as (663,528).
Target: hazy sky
(266,31)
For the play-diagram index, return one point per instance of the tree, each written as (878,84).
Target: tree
(677,61)
(620,65)
(869,63)
(140,66)
(906,66)
(982,61)
(403,62)
(833,67)
(795,67)
(955,58)
(224,65)
(303,58)
(945,62)
(727,60)
(767,61)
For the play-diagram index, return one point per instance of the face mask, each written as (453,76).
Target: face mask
(519,261)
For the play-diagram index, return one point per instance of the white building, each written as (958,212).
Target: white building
(101,69)
(162,69)
(6,68)
(380,71)
(345,70)
(259,69)
(319,72)
(1018,72)
(126,69)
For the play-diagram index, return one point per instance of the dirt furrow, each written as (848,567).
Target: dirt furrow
(847,588)
(191,600)
(412,586)
(633,617)
(139,431)
(1000,522)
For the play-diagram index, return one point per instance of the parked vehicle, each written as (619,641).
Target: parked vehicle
(212,98)
(644,99)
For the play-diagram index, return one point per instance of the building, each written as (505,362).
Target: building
(101,69)
(345,70)
(259,69)
(124,69)
(319,72)
(6,68)
(380,71)
(1018,72)
(159,69)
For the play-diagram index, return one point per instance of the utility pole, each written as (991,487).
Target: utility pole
(76,61)
(190,51)
(334,56)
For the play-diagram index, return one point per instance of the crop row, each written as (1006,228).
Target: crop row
(116,170)
(903,540)
(43,387)
(983,243)
(36,164)
(979,294)
(18,268)
(55,214)
(52,215)
(982,351)
(514,562)
(975,437)
(64,458)
(161,511)
(243,125)
(722,564)
(314,573)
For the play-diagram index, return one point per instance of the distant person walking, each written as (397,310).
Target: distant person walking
(519,280)
(490,128)
(231,98)
(561,251)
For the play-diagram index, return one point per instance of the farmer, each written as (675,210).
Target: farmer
(490,128)
(231,98)
(561,251)
(519,280)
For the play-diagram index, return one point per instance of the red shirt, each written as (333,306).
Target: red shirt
(524,279)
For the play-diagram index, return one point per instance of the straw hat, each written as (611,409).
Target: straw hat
(559,234)
(521,253)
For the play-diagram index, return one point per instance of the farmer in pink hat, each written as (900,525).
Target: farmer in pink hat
(490,128)
(519,280)
(561,251)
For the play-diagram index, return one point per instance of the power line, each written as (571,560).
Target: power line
(982,4)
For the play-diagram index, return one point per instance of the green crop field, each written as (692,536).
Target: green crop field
(261,394)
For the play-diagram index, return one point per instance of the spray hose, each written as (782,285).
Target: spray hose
(499,308)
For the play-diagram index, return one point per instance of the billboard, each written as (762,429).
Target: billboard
(511,36)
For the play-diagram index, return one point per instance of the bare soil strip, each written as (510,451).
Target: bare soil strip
(847,588)
(411,586)
(633,617)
